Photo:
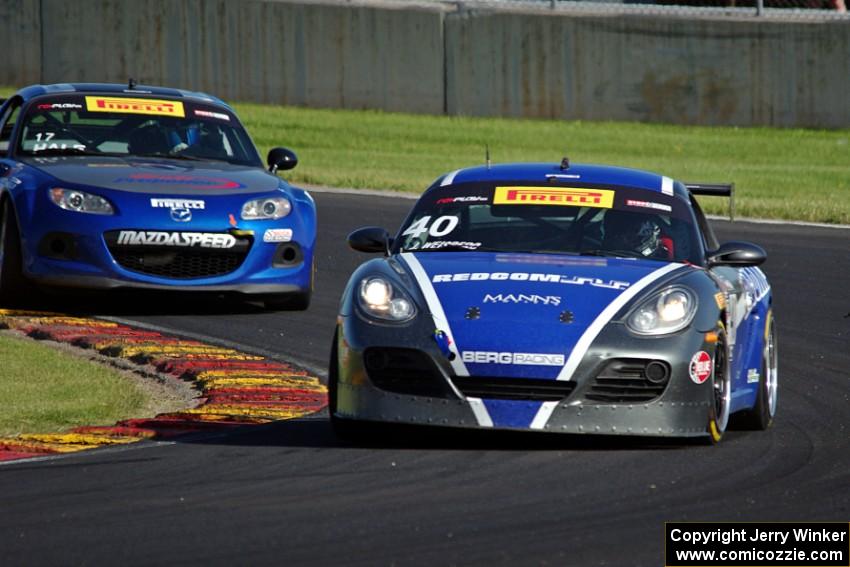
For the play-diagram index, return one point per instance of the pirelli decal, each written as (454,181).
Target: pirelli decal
(126,105)
(565,196)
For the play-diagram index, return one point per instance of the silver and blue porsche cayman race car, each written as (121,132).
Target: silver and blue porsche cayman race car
(574,299)
(106,186)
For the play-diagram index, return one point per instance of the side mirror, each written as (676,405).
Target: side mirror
(281,159)
(370,239)
(738,254)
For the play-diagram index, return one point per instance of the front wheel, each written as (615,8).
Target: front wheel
(721,384)
(346,430)
(760,417)
(12,283)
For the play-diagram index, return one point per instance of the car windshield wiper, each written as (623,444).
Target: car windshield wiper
(70,152)
(615,253)
(541,251)
(172,156)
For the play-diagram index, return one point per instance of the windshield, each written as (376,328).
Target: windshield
(594,221)
(134,126)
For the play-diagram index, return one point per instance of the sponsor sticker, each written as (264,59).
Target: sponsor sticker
(466,199)
(126,105)
(190,180)
(564,196)
(524,358)
(720,299)
(277,235)
(524,299)
(755,282)
(209,114)
(753,376)
(649,205)
(175,239)
(60,106)
(530,277)
(700,367)
(177,204)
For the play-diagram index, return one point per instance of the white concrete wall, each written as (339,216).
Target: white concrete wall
(20,38)
(327,54)
(435,58)
(654,69)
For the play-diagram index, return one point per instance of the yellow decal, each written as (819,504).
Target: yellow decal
(720,299)
(134,105)
(565,196)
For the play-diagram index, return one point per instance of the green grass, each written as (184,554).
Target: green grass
(43,390)
(779,173)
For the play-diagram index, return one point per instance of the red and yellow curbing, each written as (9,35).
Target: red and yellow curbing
(236,388)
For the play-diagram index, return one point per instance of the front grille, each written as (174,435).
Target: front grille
(179,265)
(532,389)
(404,371)
(179,262)
(625,381)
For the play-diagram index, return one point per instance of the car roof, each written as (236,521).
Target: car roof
(545,173)
(139,91)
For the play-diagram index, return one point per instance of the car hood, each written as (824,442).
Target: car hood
(537,308)
(157,176)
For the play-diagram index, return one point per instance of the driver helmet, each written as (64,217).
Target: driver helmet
(632,232)
(150,138)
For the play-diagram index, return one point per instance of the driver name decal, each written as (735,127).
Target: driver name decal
(135,106)
(563,196)
(178,239)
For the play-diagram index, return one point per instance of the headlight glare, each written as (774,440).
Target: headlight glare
(381,300)
(376,293)
(673,306)
(80,201)
(666,312)
(270,208)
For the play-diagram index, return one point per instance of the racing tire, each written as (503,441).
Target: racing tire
(12,281)
(346,430)
(288,301)
(760,417)
(293,301)
(721,386)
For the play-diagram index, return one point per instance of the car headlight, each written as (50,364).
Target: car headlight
(270,208)
(665,312)
(80,201)
(381,300)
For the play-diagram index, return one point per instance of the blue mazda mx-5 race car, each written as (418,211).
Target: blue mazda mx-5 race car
(574,299)
(125,186)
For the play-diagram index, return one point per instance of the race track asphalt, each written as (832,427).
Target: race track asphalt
(289,494)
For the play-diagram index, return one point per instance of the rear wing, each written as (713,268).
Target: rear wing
(715,190)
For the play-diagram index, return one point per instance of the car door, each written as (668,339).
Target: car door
(741,289)
(9,112)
